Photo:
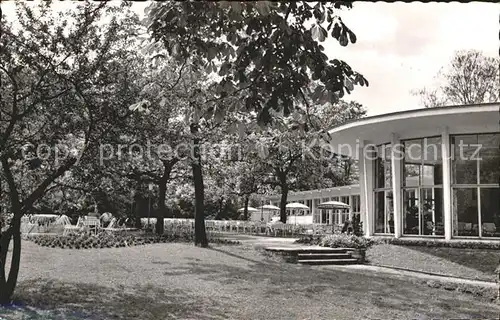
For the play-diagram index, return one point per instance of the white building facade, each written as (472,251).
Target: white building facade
(427,173)
(347,194)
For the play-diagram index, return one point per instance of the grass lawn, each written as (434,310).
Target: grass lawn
(466,263)
(180,281)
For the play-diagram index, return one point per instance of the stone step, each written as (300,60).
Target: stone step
(306,250)
(327,261)
(321,256)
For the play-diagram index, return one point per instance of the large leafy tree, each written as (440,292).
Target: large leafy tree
(263,48)
(470,78)
(63,87)
(160,130)
(267,53)
(298,159)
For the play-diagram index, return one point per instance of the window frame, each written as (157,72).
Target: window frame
(418,189)
(386,190)
(478,186)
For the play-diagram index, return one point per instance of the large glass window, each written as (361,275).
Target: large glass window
(489,153)
(422,187)
(475,178)
(384,208)
(465,207)
(490,212)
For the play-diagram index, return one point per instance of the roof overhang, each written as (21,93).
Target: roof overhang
(380,129)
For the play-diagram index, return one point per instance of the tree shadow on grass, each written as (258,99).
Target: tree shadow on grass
(52,299)
(276,281)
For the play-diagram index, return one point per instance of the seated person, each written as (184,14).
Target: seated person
(347,227)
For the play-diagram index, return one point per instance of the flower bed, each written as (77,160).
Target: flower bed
(88,240)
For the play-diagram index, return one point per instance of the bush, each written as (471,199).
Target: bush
(346,241)
(310,239)
(87,240)
(340,240)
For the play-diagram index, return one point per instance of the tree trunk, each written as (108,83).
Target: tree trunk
(284,196)
(141,206)
(160,213)
(162,189)
(225,211)
(245,210)
(200,235)
(220,214)
(8,283)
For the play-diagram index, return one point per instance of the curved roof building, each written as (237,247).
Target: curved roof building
(425,173)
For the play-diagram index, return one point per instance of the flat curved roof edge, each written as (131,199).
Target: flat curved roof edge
(409,113)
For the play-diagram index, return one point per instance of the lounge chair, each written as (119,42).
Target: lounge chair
(69,228)
(112,226)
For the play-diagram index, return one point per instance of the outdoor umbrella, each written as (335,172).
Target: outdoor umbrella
(250,209)
(296,205)
(333,205)
(269,207)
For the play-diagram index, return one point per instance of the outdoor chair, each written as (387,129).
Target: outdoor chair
(72,228)
(461,228)
(489,229)
(93,223)
(113,226)
(209,225)
(439,228)
(468,228)
(262,227)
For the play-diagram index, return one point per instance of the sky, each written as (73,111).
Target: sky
(401,46)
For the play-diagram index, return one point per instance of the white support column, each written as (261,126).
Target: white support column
(396,162)
(368,187)
(321,212)
(350,205)
(446,155)
(362,198)
(313,208)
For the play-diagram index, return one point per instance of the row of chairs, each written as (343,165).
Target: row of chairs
(249,227)
(93,224)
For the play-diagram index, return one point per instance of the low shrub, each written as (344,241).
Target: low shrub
(340,240)
(88,240)
(448,244)
(346,241)
(310,239)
